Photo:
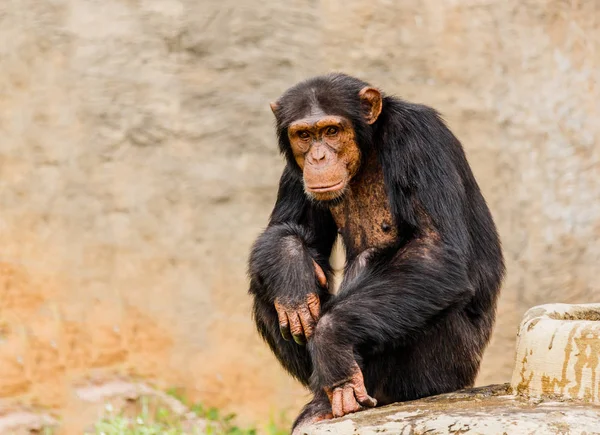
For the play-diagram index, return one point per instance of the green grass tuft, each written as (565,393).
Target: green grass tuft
(163,421)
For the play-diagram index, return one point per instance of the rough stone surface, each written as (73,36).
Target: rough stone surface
(483,411)
(558,348)
(138,163)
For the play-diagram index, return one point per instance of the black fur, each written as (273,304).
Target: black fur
(419,315)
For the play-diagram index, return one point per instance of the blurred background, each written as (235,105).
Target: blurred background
(138,163)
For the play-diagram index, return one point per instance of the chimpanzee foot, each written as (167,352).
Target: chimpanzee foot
(311,420)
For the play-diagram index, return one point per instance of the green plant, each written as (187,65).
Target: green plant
(220,424)
(161,420)
(225,424)
(277,428)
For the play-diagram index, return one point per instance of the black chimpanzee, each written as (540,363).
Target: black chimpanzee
(416,307)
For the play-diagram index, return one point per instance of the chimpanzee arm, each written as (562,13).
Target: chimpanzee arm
(297,234)
(282,270)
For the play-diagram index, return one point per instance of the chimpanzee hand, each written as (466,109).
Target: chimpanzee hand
(350,395)
(297,319)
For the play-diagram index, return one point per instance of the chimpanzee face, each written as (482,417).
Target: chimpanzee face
(325,147)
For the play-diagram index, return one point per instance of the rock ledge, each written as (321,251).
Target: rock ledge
(490,410)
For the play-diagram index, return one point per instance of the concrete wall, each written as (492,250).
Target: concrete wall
(138,163)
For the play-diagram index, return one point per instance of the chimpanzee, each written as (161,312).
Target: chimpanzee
(417,303)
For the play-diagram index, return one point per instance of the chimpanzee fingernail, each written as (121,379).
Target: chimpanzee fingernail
(285,333)
(299,339)
(369,401)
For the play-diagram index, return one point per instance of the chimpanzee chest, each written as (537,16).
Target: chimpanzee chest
(363,218)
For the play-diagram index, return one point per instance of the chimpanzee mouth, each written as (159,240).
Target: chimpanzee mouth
(324,189)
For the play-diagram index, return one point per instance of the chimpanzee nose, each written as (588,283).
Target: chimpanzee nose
(318,154)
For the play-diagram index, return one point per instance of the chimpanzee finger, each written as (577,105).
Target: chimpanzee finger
(308,323)
(349,403)
(296,327)
(284,324)
(321,277)
(314,305)
(363,398)
(337,403)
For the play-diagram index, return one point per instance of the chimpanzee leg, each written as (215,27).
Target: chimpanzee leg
(442,358)
(405,314)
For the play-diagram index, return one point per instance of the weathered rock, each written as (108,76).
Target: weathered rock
(22,420)
(483,411)
(558,350)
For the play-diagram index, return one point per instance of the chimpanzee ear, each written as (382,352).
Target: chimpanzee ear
(370,99)
(274,107)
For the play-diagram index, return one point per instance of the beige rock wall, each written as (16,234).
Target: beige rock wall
(138,163)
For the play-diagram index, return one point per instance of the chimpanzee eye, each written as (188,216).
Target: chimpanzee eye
(303,135)
(332,131)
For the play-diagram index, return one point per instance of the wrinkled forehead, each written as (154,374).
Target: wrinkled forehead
(312,102)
